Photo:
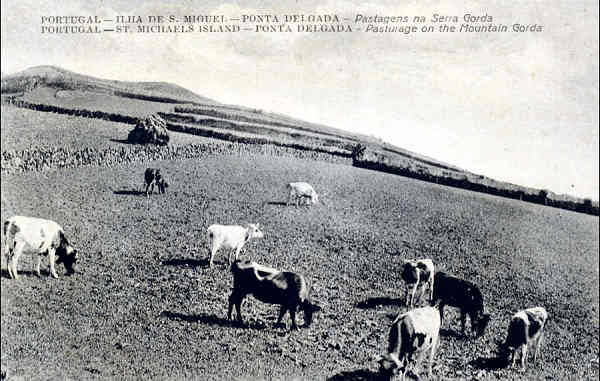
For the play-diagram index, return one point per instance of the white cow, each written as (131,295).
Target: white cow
(413,333)
(303,191)
(232,237)
(38,236)
(526,328)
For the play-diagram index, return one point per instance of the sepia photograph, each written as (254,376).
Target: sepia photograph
(300,190)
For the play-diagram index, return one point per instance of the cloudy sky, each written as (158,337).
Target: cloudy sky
(519,107)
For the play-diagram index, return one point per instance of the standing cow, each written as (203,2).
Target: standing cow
(152,176)
(38,236)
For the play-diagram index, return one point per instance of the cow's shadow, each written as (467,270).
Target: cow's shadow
(380,301)
(445,332)
(130,192)
(489,363)
(185,262)
(211,319)
(27,273)
(277,203)
(122,141)
(356,375)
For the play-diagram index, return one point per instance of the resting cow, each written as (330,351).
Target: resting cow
(38,236)
(288,289)
(302,191)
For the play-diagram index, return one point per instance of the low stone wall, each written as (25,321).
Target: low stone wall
(59,157)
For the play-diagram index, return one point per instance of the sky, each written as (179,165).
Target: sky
(517,107)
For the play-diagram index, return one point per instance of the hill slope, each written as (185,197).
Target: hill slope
(49,88)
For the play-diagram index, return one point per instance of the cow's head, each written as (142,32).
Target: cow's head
(253,231)
(66,254)
(314,197)
(504,351)
(389,365)
(162,185)
(309,310)
(481,323)
(410,272)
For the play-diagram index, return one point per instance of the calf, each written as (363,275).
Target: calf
(152,176)
(418,273)
(231,237)
(288,289)
(525,328)
(38,236)
(463,295)
(413,333)
(302,190)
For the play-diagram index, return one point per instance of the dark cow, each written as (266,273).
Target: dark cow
(465,296)
(152,177)
(288,289)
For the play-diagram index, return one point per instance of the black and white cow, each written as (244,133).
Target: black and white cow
(38,236)
(152,176)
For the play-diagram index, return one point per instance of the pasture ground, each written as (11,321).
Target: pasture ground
(145,304)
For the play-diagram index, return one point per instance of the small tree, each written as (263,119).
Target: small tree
(543,197)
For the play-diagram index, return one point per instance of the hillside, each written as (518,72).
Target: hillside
(49,88)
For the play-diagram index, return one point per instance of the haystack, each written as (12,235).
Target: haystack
(151,130)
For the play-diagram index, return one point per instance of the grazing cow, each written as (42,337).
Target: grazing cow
(231,237)
(288,289)
(418,273)
(44,237)
(525,328)
(303,191)
(413,333)
(152,176)
(463,295)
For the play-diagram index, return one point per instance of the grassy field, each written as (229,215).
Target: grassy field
(145,304)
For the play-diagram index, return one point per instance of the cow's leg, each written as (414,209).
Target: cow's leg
(432,354)
(17,251)
(431,288)
(523,355)
(293,317)
(441,308)
(237,253)
(235,300)
(412,296)
(463,322)
(213,250)
(52,260)
(538,342)
(38,264)
(8,253)
(282,312)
